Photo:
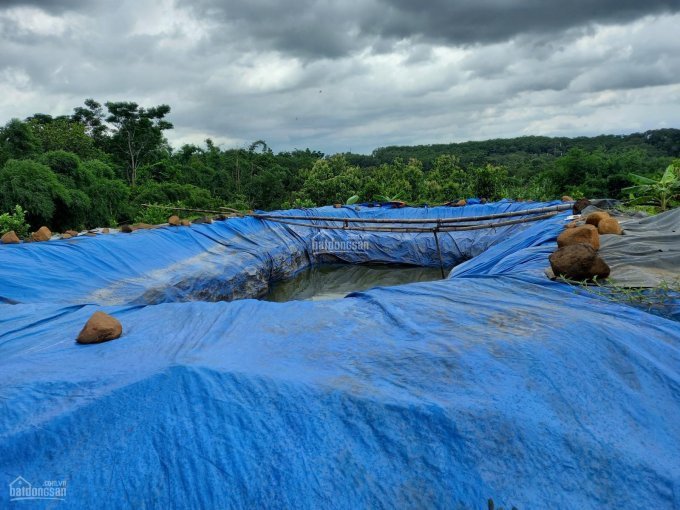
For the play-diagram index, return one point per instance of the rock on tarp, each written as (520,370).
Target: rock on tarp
(494,383)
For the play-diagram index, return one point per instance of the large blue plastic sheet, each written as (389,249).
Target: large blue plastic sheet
(494,383)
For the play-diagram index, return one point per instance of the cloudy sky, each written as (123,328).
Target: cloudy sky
(352,74)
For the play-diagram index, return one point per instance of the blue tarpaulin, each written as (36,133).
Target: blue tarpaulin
(493,383)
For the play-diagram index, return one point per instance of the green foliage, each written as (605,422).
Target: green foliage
(109,203)
(14,221)
(155,214)
(67,166)
(91,117)
(136,135)
(17,141)
(171,193)
(490,182)
(97,166)
(329,181)
(299,203)
(33,186)
(659,192)
(446,181)
(385,198)
(63,134)
(659,300)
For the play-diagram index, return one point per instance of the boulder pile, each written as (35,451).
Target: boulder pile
(577,255)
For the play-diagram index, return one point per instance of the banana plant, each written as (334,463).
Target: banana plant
(658,192)
(384,198)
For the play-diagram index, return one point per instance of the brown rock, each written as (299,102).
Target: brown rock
(10,237)
(126,228)
(337,206)
(174,220)
(571,224)
(596,217)
(577,235)
(66,236)
(105,230)
(609,226)
(461,202)
(185,223)
(42,234)
(567,198)
(579,205)
(578,262)
(101,327)
(72,233)
(203,219)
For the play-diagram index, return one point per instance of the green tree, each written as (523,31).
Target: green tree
(17,141)
(91,117)
(69,168)
(63,133)
(137,134)
(34,187)
(446,181)
(490,182)
(330,180)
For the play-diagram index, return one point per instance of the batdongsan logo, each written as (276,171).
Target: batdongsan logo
(21,489)
(325,244)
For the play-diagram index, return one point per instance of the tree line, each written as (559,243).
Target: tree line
(98,166)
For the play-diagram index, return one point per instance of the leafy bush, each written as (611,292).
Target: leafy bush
(34,187)
(98,169)
(299,203)
(72,212)
(172,192)
(14,221)
(109,203)
(155,215)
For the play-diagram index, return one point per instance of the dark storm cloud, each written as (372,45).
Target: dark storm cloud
(308,28)
(331,29)
(52,6)
(486,21)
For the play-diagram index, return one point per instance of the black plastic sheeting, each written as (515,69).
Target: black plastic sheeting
(648,254)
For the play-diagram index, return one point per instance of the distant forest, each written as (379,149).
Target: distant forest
(97,166)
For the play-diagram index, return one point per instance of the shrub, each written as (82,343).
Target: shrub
(171,192)
(14,221)
(155,215)
(109,198)
(34,187)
